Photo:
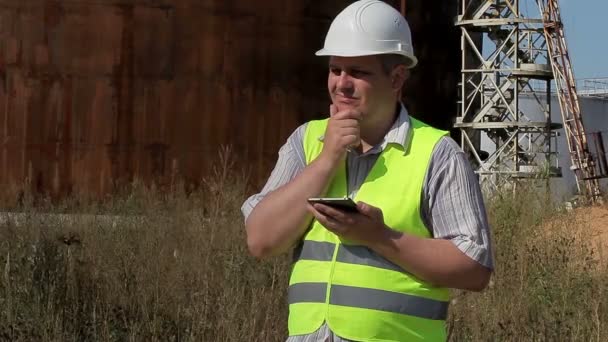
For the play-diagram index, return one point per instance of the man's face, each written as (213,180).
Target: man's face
(359,83)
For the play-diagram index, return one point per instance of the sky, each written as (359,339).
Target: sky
(586,27)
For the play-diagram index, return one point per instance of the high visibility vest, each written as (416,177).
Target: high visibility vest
(361,295)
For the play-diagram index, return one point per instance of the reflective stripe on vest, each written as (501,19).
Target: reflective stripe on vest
(369,299)
(356,296)
(358,255)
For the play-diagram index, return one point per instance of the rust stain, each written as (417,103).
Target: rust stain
(119,148)
(98,93)
(66,146)
(53,12)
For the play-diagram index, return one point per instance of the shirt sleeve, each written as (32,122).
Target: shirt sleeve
(290,162)
(452,204)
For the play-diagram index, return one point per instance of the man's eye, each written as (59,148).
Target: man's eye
(335,71)
(359,73)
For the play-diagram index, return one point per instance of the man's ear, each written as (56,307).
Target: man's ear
(398,76)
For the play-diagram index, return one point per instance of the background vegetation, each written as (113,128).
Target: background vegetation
(147,265)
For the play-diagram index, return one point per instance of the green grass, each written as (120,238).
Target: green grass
(175,268)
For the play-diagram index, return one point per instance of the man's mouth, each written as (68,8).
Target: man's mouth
(346,99)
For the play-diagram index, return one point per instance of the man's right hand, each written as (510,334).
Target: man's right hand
(282,217)
(342,134)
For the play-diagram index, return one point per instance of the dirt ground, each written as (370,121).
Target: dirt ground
(594,221)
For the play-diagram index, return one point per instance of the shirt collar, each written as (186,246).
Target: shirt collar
(398,134)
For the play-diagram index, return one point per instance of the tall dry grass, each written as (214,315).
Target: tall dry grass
(171,267)
(549,283)
(174,267)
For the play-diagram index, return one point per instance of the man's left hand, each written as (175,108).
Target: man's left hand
(363,227)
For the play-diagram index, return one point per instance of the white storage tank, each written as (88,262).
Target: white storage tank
(593,100)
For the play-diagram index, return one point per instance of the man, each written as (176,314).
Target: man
(381,273)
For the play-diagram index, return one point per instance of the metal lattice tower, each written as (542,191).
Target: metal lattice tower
(505,143)
(583,164)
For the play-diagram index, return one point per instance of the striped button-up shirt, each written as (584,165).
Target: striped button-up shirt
(452,205)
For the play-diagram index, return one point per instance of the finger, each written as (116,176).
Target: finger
(315,213)
(332,110)
(348,123)
(369,210)
(364,208)
(325,220)
(341,217)
(312,210)
(344,131)
(351,141)
(349,114)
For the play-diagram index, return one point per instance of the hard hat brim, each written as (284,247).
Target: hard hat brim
(325,52)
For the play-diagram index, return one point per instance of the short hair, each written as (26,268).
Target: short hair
(390,61)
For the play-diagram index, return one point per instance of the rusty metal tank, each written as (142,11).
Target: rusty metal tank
(98,93)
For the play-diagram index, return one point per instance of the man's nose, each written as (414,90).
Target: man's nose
(344,81)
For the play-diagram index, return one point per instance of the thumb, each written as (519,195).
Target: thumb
(332,110)
(369,210)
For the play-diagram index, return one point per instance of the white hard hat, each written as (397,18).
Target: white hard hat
(369,27)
